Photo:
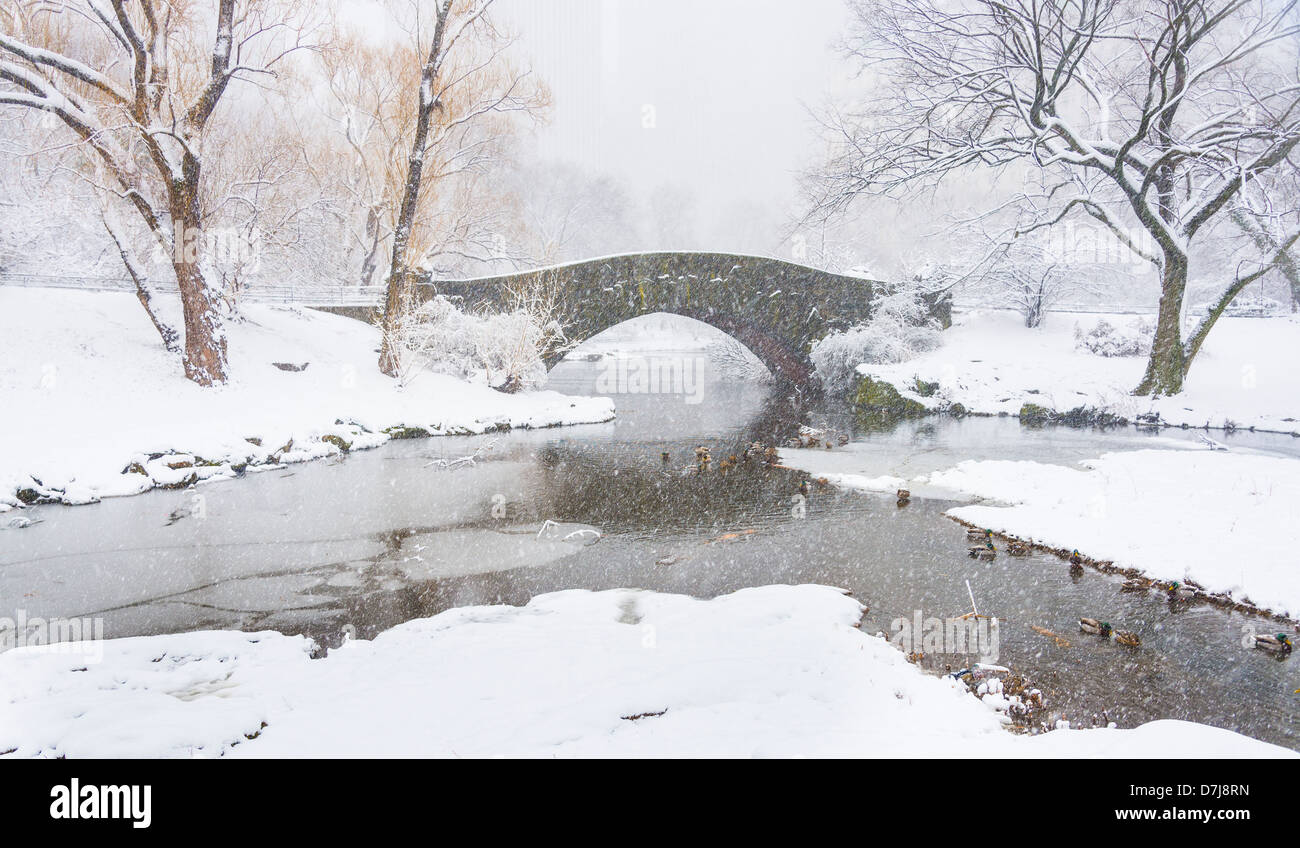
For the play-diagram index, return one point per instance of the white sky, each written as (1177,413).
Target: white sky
(708,94)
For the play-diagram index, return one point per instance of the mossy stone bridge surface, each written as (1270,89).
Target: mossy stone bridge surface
(775,308)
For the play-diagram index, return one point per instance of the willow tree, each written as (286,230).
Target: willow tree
(458,115)
(136,85)
(1151,116)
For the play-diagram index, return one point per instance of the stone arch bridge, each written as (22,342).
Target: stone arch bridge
(777,309)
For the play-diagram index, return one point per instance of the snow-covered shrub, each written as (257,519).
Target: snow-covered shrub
(1253,306)
(503,349)
(731,361)
(900,327)
(1106,339)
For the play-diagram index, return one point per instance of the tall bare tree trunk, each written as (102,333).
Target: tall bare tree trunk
(205,335)
(401,279)
(1167,365)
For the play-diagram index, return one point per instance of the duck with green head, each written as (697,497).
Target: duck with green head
(1095,627)
(1279,643)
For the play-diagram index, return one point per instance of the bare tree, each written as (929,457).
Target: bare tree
(565,213)
(130,82)
(1149,115)
(1266,221)
(1027,274)
(465,83)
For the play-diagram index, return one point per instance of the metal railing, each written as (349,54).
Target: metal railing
(260,293)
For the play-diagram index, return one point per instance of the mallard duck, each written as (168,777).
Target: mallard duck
(804,489)
(903,496)
(1279,643)
(1076,558)
(843,440)
(1181,590)
(1128,638)
(1136,584)
(978,535)
(986,553)
(1018,548)
(1097,628)
(664,457)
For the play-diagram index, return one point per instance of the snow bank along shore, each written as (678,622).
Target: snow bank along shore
(775,670)
(94,407)
(1221,519)
(990,363)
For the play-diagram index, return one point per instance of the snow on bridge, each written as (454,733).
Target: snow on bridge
(777,309)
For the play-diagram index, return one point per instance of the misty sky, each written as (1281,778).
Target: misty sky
(711,95)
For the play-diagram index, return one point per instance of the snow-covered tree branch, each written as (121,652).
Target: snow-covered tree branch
(1150,116)
(132,83)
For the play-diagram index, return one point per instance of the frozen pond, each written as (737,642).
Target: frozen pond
(361,543)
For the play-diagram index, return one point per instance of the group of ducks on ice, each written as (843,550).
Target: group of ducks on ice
(1278,643)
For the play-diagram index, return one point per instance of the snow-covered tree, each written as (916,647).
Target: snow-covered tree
(466,84)
(1151,116)
(1028,276)
(566,214)
(900,327)
(136,85)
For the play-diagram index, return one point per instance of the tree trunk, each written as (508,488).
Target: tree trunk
(205,334)
(401,289)
(1167,365)
(401,283)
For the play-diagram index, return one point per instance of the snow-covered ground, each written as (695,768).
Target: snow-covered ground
(88,391)
(990,363)
(766,671)
(1224,519)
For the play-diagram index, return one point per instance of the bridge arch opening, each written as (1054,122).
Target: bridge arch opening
(659,336)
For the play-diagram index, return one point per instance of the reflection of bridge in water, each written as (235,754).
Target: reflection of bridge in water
(775,308)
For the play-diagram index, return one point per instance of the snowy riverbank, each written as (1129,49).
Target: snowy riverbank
(766,671)
(991,363)
(95,407)
(1223,519)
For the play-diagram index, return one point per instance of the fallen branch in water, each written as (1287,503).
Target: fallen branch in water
(469,461)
